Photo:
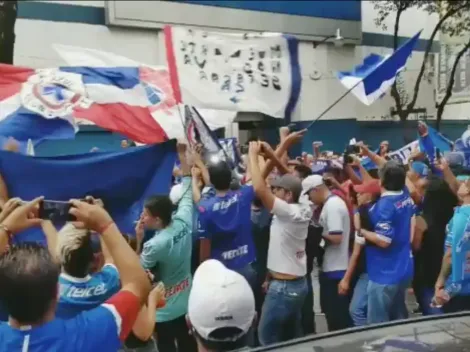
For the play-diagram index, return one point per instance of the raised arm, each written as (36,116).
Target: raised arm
(133,277)
(376,159)
(259,182)
(200,165)
(282,149)
(448,175)
(51,236)
(3,191)
(185,205)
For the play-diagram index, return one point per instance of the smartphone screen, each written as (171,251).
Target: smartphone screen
(438,153)
(55,211)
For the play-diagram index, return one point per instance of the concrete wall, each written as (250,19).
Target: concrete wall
(82,23)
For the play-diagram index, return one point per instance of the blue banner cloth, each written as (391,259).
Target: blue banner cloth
(123,180)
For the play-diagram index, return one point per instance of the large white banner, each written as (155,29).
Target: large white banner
(256,72)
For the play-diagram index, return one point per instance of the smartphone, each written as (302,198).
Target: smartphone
(294,127)
(318,143)
(55,211)
(438,153)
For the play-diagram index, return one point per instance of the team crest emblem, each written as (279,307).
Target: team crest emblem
(54,93)
(156,82)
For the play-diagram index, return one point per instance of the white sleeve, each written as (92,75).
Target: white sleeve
(293,212)
(334,216)
(283,209)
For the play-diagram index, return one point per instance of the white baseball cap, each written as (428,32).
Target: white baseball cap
(220,298)
(311,182)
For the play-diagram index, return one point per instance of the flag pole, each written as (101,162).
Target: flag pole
(216,141)
(332,105)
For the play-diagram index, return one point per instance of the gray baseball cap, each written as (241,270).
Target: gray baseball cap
(289,183)
(455,158)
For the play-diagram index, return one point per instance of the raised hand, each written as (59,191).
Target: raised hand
(254,148)
(295,137)
(181,148)
(8,207)
(157,295)
(90,216)
(20,218)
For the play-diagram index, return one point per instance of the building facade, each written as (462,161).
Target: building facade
(133,29)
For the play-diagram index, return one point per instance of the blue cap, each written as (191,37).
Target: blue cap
(420,168)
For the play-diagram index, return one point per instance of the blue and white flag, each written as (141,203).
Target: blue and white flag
(255,72)
(433,140)
(370,81)
(230,147)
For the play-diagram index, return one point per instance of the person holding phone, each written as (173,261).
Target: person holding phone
(29,278)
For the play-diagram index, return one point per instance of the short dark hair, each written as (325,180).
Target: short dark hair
(393,176)
(161,207)
(303,170)
(221,339)
(28,282)
(334,171)
(374,173)
(235,185)
(220,176)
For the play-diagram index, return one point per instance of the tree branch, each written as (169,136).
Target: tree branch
(394,91)
(438,26)
(8,13)
(450,85)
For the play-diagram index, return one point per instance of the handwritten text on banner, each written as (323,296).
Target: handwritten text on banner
(256,72)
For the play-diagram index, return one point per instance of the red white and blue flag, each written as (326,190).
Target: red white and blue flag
(50,103)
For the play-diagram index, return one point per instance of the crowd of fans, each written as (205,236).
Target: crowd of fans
(222,262)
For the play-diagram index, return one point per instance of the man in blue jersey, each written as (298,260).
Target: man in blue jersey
(29,286)
(168,255)
(389,258)
(225,227)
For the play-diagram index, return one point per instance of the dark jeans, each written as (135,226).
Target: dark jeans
(358,306)
(334,305)
(282,311)
(308,315)
(250,274)
(386,302)
(173,333)
(424,298)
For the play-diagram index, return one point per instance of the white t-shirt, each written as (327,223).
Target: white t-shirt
(289,227)
(334,219)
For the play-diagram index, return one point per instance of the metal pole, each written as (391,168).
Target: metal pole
(332,105)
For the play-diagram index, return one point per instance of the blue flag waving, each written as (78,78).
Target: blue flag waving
(433,140)
(123,180)
(370,80)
